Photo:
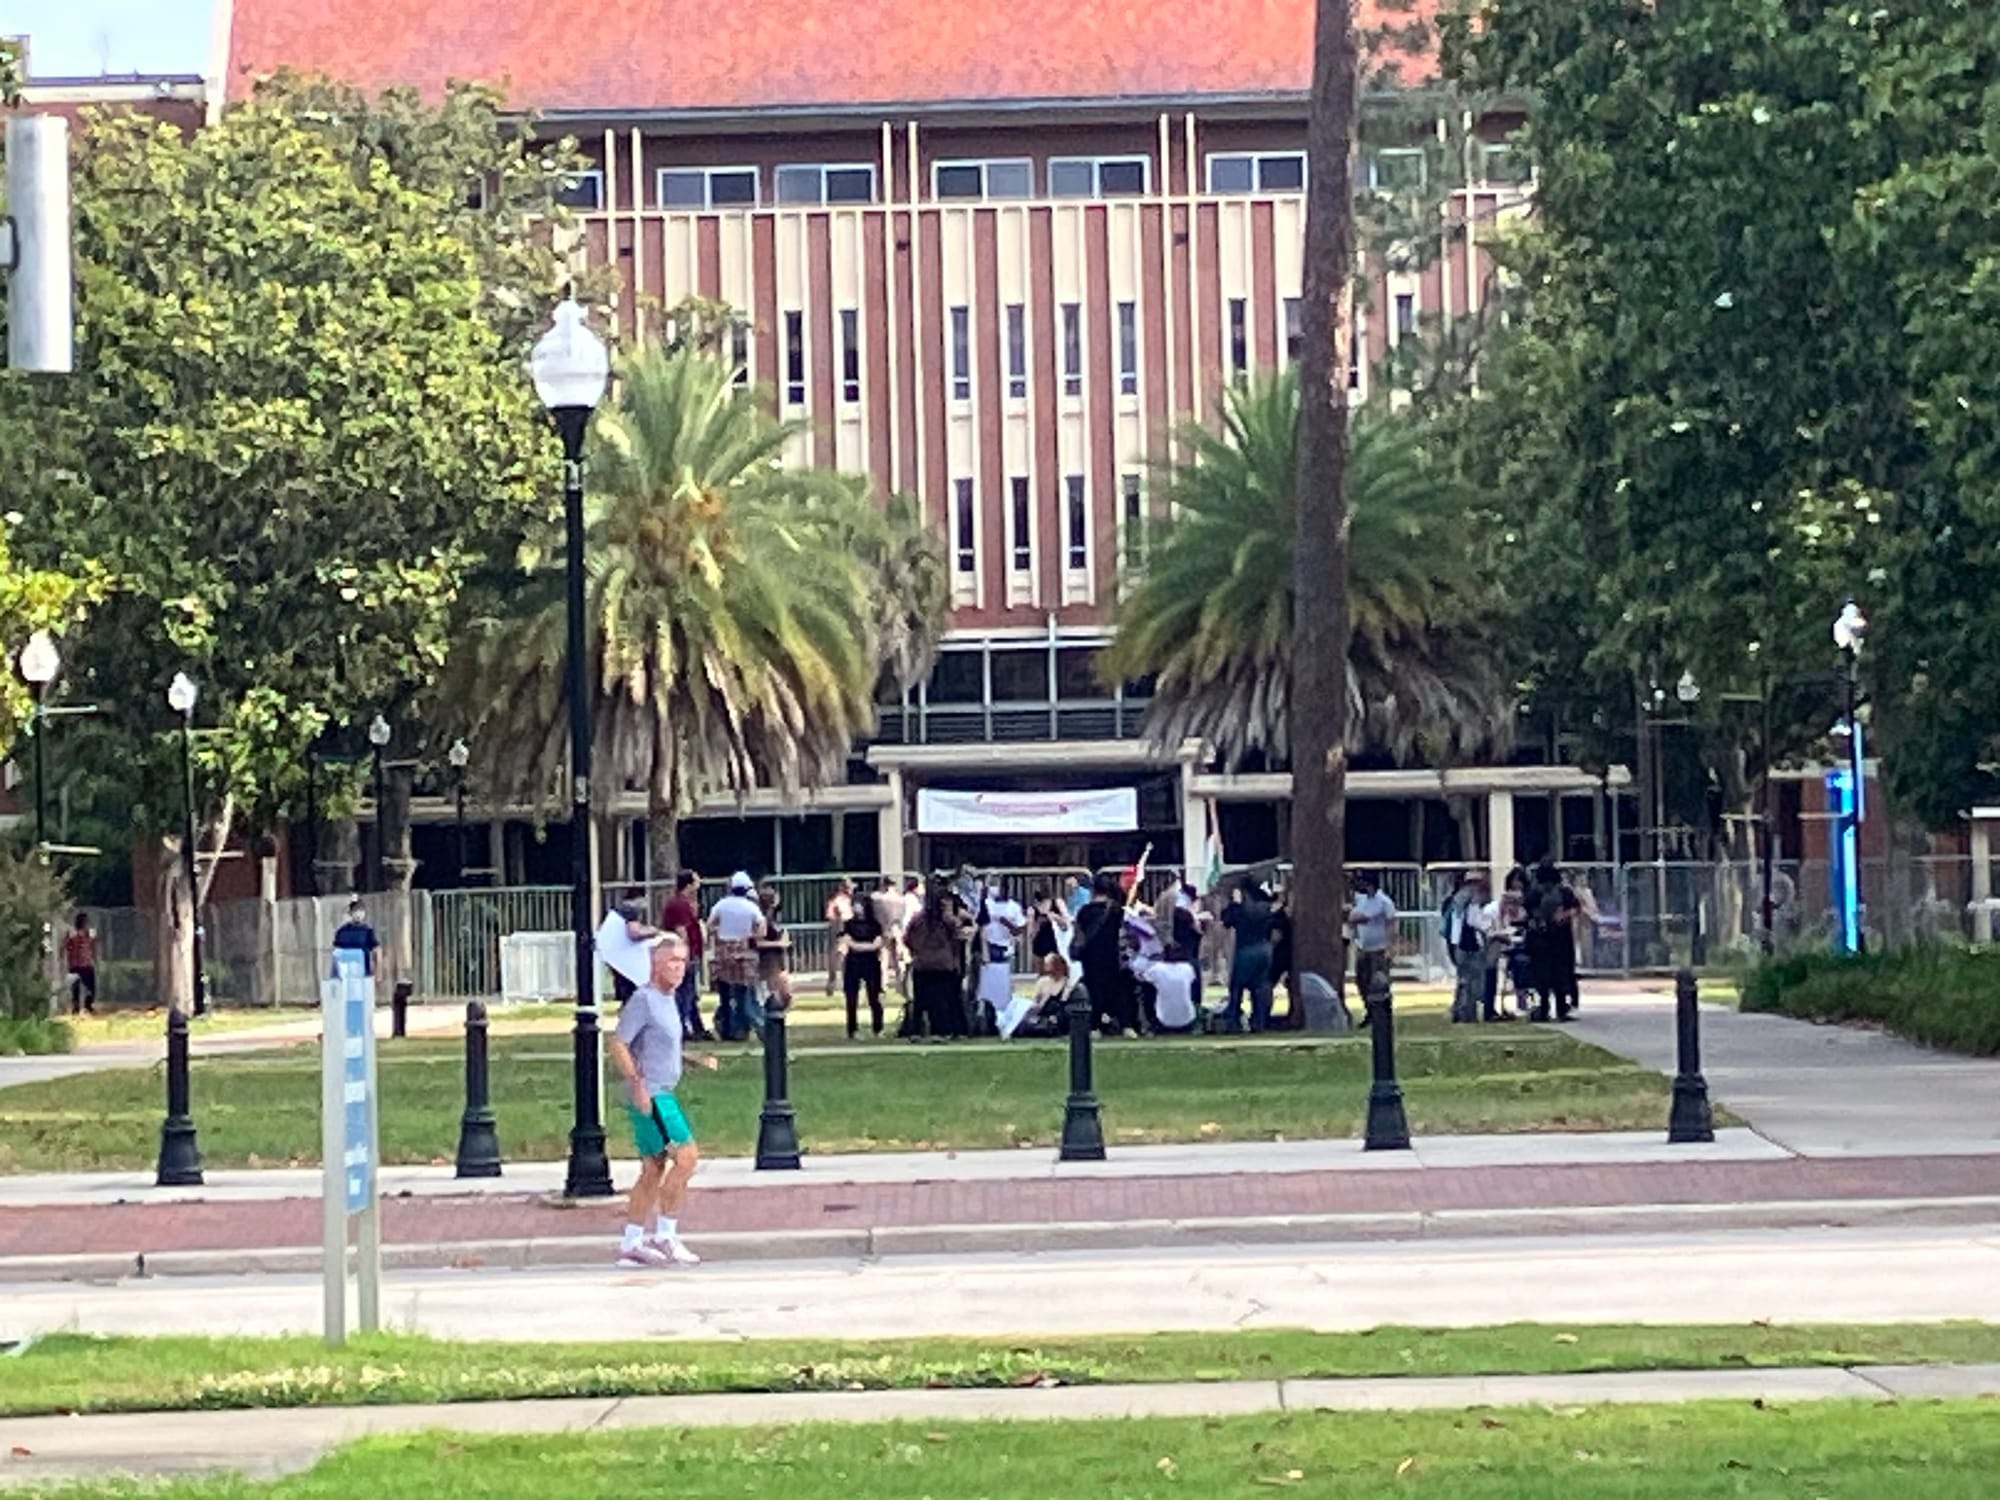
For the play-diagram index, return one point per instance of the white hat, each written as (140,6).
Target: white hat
(741,881)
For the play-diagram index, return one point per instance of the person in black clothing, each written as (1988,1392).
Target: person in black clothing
(1250,917)
(1100,928)
(1047,937)
(861,965)
(1281,961)
(1551,942)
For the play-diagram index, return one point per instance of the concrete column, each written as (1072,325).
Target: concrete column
(1194,827)
(889,829)
(1982,879)
(1500,835)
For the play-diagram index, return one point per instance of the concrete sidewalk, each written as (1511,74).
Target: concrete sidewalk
(269,1443)
(1821,1091)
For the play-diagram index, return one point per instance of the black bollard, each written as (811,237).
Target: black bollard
(1692,1120)
(478,1141)
(1083,1130)
(399,1009)
(777,1129)
(180,1153)
(1388,1125)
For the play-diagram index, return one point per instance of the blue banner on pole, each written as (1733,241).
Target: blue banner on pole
(1844,863)
(357,1000)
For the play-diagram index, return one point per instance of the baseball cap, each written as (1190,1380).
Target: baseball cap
(741,881)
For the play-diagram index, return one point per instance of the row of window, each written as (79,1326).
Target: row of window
(1236,347)
(1020,524)
(701,189)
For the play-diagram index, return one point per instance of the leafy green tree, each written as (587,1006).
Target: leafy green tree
(739,612)
(1211,617)
(300,416)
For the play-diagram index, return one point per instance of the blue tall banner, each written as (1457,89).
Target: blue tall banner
(357,999)
(1844,801)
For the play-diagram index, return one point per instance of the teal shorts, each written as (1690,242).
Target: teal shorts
(665,1126)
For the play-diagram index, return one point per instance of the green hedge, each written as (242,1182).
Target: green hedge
(35,1037)
(1942,997)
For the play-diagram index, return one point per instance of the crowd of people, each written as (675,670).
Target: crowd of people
(1525,939)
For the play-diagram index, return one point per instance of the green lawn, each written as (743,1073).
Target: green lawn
(1829,1451)
(263,1108)
(77,1373)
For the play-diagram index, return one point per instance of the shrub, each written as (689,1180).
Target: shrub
(36,1036)
(31,897)
(1942,997)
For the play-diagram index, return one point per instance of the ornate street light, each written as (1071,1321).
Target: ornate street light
(1850,632)
(571,369)
(40,662)
(180,1153)
(378,741)
(460,756)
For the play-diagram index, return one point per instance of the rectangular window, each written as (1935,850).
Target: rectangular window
(1099,176)
(583,191)
(705,188)
(739,350)
(1398,169)
(1023,524)
(1239,335)
(1008,177)
(1017,351)
(1072,319)
(1406,315)
(964,520)
(1295,332)
(817,184)
(850,355)
(961,354)
(1265,172)
(795,359)
(1135,523)
(1128,348)
(1504,164)
(1079,523)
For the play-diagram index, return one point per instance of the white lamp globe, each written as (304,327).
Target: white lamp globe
(40,661)
(1850,627)
(182,694)
(570,364)
(378,732)
(459,754)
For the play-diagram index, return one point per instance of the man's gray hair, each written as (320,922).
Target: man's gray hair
(672,940)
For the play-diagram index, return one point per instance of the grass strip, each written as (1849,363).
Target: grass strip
(77,1373)
(1837,1450)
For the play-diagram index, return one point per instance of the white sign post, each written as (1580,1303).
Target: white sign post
(348,1142)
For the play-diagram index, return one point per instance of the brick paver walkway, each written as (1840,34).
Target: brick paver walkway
(152,1228)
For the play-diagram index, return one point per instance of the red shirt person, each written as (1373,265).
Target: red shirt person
(682,915)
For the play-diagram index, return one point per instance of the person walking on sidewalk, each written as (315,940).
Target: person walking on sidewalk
(80,960)
(646,1049)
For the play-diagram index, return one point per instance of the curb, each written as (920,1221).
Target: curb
(1042,1238)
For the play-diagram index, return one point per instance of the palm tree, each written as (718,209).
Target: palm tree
(1212,619)
(739,612)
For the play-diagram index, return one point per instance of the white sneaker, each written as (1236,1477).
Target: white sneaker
(674,1252)
(645,1253)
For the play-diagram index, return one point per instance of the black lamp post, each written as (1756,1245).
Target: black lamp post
(378,741)
(181,697)
(180,1152)
(40,661)
(571,369)
(1083,1127)
(459,755)
(1850,629)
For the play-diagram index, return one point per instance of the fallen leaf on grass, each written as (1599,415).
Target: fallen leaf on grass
(1209,1128)
(1406,1465)
(1034,1378)
(20,1452)
(936,1437)
(1167,1467)
(1565,1338)
(1491,1422)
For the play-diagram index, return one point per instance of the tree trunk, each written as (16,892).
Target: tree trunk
(339,857)
(173,931)
(1320,611)
(663,840)
(399,873)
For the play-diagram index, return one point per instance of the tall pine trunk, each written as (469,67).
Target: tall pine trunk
(1320,611)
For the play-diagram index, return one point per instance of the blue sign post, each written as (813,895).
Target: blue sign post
(348,1141)
(1843,800)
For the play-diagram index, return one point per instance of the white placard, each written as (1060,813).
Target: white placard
(1112,810)
(350,1143)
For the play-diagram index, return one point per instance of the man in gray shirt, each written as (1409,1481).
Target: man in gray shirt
(646,1050)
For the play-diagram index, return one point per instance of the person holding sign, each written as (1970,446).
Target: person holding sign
(646,1050)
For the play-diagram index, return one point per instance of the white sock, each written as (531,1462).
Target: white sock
(634,1234)
(666,1229)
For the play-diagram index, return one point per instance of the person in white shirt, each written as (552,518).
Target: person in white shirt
(734,925)
(1372,921)
(1005,921)
(1175,984)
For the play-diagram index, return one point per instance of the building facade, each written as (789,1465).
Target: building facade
(994,267)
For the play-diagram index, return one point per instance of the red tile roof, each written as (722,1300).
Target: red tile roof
(670,55)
